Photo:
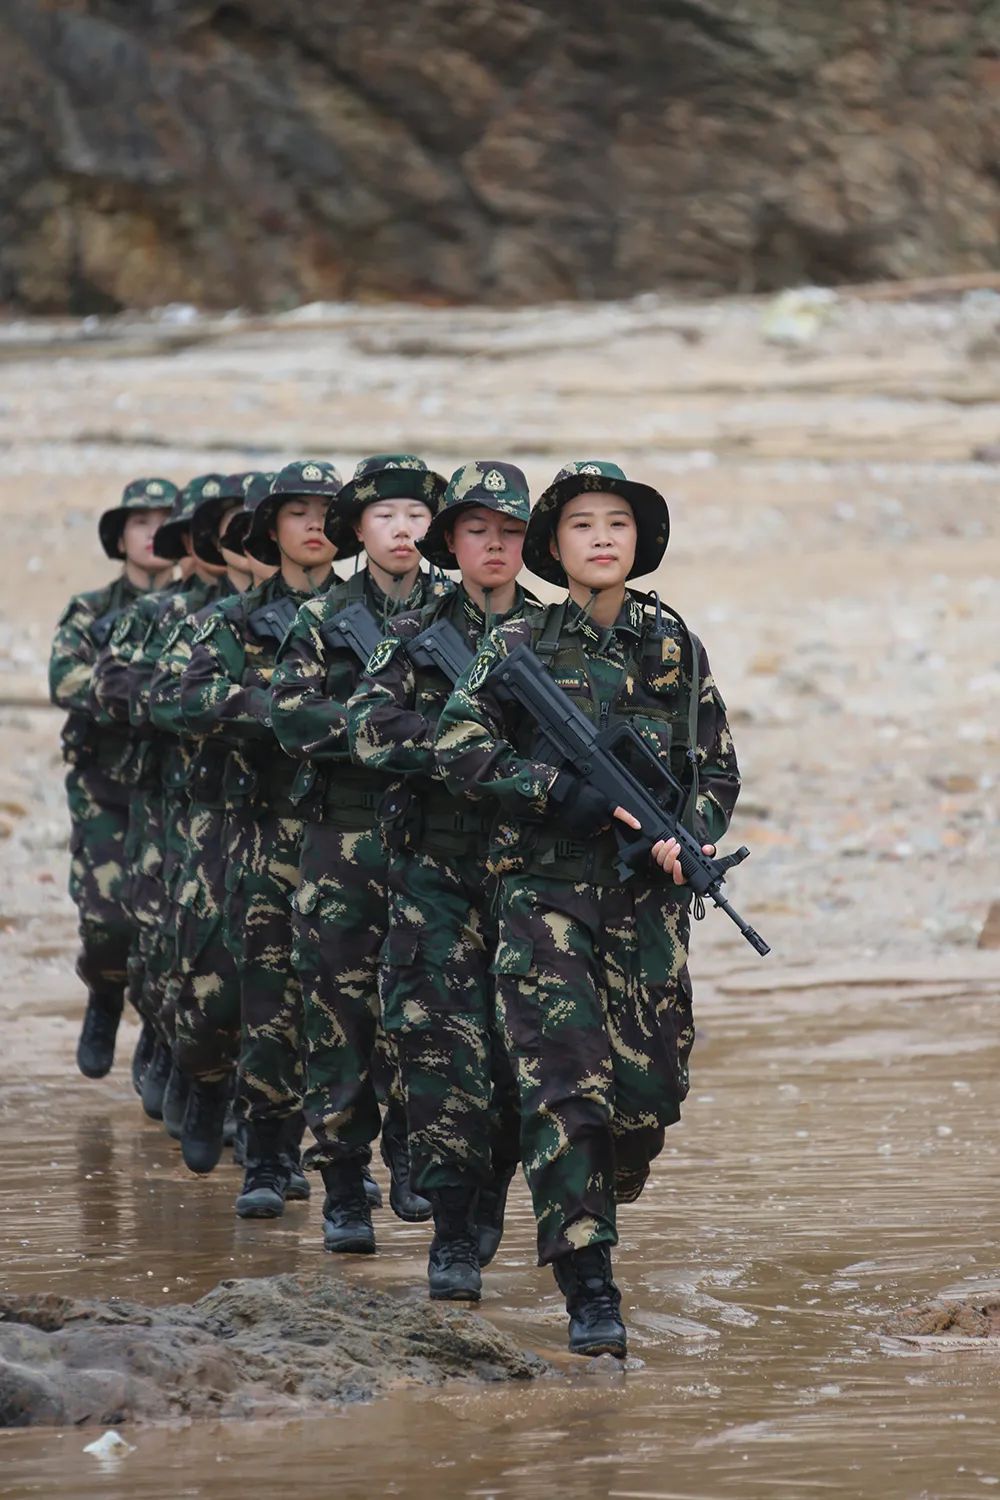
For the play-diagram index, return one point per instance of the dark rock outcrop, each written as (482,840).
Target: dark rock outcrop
(267,152)
(249,1348)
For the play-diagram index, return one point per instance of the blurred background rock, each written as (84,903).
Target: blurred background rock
(265,153)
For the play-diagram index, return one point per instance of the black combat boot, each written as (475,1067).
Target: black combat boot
(490,1212)
(266,1179)
(154,1081)
(404,1202)
(372,1190)
(592,1301)
(204,1124)
(144,1049)
(175,1098)
(298,1189)
(95,1051)
(453,1260)
(347,1218)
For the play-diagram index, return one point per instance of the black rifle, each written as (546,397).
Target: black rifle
(440,646)
(355,627)
(597,756)
(273,621)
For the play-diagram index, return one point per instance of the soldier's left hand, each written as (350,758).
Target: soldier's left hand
(667,856)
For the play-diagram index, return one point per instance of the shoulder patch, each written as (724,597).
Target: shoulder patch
(381,656)
(207,630)
(486,659)
(122,630)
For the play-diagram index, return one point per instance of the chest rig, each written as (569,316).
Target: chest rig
(643,670)
(421,813)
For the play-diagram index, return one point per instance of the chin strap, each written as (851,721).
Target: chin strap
(487,611)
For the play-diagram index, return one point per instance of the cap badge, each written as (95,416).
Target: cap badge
(494,481)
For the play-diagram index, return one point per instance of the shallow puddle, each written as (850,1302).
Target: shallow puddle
(838,1161)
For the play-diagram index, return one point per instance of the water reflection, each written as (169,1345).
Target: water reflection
(807,1196)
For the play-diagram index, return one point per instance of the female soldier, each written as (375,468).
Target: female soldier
(98,756)
(592,972)
(225,693)
(340,906)
(437,991)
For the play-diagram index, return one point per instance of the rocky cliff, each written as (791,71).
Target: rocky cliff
(267,152)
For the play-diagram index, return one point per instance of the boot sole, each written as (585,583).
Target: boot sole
(259,1211)
(411,1218)
(350,1247)
(604,1346)
(93,1072)
(457,1295)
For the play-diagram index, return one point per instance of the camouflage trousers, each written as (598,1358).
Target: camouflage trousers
(341,919)
(438,996)
(262,875)
(204,990)
(147,899)
(98,809)
(596,1010)
(161,972)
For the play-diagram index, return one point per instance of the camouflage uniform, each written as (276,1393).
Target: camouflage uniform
(99,755)
(203,995)
(340,907)
(340,914)
(591,973)
(437,986)
(225,698)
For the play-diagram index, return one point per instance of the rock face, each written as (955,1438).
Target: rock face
(266,152)
(247,1349)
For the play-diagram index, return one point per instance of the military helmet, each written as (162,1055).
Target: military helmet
(308,477)
(138,494)
(382,476)
(652,519)
(209,512)
(488,482)
(169,539)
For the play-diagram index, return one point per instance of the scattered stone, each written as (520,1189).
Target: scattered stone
(977,1319)
(248,1348)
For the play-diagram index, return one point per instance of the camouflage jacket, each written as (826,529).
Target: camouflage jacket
(632,671)
(393,714)
(313,680)
(201,761)
(124,667)
(225,688)
(84,629)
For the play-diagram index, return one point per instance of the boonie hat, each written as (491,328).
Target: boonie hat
(652,518)
(308,477)
(138,494)
(383,476)
(487,482)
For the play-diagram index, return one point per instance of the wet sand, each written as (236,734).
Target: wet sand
(837,1163)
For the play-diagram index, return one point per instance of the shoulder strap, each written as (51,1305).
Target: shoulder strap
(547,643)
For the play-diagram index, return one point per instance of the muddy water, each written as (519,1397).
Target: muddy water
(838,1161)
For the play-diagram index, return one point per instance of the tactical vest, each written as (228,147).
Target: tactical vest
(420,813)
(259,773)
(657,692)
(351,795)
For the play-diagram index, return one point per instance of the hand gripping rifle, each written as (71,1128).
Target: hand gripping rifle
(602,758)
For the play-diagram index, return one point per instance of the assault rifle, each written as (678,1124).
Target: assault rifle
(440,646)
(354,627)
(605,759)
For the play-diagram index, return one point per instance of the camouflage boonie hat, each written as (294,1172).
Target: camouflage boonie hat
(485,481)
(256,487)
(308,477)
(382,476)
(139,494)
(169,541)
(652,519)
(209,512)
